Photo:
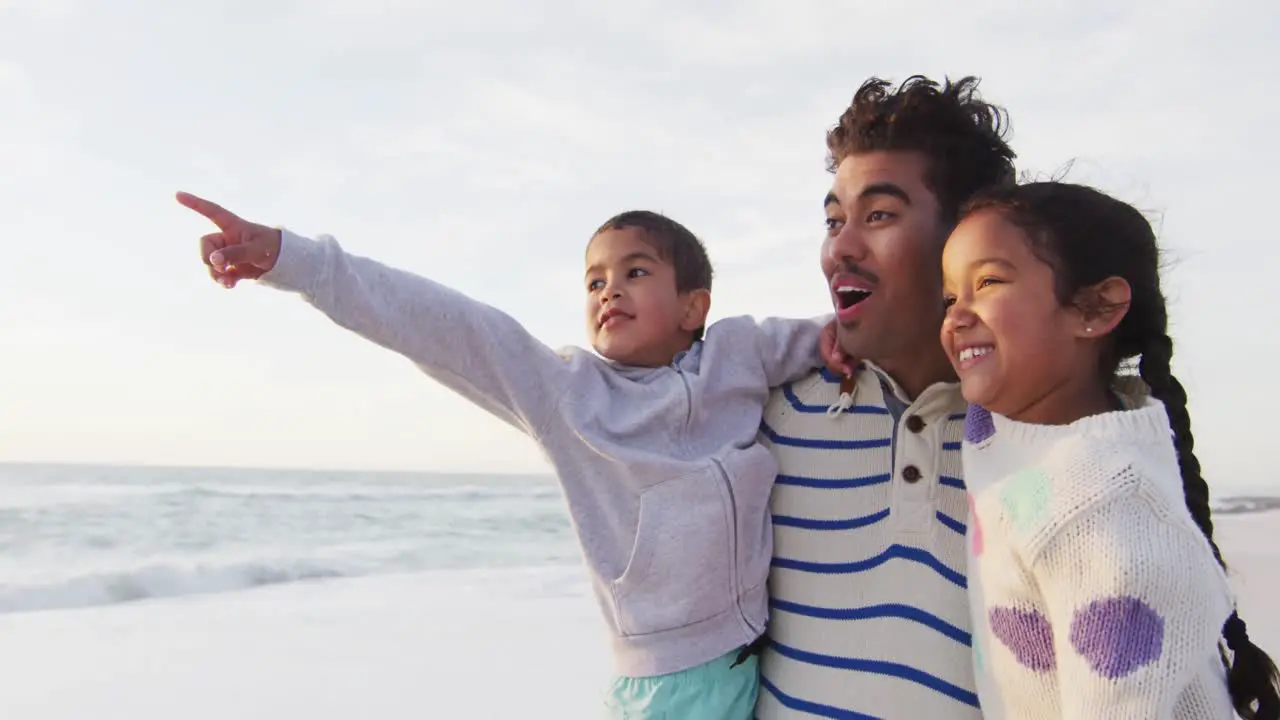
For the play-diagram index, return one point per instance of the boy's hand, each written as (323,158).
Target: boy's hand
(832,355)
(241,250)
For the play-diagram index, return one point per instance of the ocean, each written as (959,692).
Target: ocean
(77,536)
(215,593)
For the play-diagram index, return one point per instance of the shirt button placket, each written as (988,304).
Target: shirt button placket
(912,503)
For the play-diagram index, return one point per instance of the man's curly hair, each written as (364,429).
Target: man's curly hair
(963,136)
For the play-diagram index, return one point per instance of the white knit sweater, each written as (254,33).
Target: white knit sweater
(1093,592)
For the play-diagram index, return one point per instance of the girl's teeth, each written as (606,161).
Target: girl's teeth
(973,352)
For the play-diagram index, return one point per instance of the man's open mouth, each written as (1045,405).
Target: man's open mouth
(847,296)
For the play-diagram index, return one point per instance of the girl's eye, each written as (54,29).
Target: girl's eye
(637,272)
(595,285)
(948,301)
(984,282)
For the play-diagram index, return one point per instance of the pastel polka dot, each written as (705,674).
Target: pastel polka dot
(1118,635)
(978,425)
(1027,635)
(975,528)
(1025,497)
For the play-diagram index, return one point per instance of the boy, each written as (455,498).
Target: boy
(653,439)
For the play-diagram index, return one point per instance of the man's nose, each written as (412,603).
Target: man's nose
(846,246)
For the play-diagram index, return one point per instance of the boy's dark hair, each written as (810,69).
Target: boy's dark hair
(1086,237)
(674,243)
(963,137)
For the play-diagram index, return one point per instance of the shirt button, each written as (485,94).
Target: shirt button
(911,473)
(915,424)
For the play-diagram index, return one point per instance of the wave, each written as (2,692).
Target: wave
(176,580)
(162,581)
(1246,504)
(79,494)
(451,492)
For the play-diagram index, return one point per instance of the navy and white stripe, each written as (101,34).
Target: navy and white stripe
(868,609)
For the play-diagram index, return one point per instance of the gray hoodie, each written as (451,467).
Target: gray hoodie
(667,486)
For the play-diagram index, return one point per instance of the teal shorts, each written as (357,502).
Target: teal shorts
(711,691)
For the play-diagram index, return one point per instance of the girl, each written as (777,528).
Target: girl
(1096,588)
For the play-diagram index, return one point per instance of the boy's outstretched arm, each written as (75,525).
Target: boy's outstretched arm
(790,349)
(472,348)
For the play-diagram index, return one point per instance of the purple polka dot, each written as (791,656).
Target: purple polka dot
(1027,634)
(1118,635)
(978,425)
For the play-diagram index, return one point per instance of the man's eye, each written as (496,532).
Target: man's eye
(879,216)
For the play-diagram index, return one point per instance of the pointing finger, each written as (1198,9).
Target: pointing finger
(220,216)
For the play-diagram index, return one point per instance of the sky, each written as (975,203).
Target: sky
(480,143)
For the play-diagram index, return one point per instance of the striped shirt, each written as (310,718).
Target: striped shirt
(868,610)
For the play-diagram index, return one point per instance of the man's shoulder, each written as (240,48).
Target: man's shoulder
(819,391)
(812,394)
(812,408)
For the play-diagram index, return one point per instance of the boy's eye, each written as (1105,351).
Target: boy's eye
(984,282)
(879,216)
(833,225)
(637,272)
(595,285)
(948,301)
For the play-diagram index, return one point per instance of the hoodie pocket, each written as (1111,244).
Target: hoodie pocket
(679,569)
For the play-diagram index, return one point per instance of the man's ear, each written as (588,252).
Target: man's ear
(1102,306)
(697,304)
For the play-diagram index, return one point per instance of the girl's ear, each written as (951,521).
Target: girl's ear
(1102,306)
(697,304)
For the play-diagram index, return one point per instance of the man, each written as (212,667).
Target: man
(869,615)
